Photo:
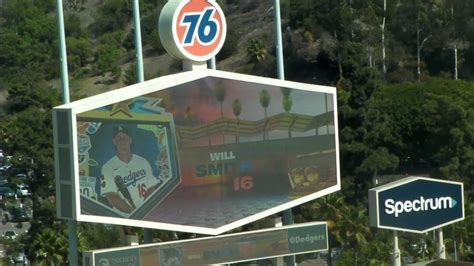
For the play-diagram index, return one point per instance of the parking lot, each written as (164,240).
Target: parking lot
(15,210)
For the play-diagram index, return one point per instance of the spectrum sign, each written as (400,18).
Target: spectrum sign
(416,204)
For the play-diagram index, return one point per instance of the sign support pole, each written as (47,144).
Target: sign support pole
(191,65)
(278,41)
(396,252)
(71,224)
(287,214)
(147,233)
(138,41)
(62,52)
(211,63)
(279,260)
(441,250)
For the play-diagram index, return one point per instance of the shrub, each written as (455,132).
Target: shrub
(256,50)
(107,61)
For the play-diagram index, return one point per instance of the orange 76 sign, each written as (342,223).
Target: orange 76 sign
(192,29)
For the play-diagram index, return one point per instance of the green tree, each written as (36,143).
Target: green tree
(73,27)
(78,52)
(99,236)
(364,130)
(115,39)
(381,20)
(378,160)
(28,43)
(27,134)
(458,33)
(107,61)
(112,15)
(431,123)
(46,5)
(425,21)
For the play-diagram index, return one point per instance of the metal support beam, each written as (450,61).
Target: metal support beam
(72,225)
(396,258)
(440,248)
(278,40)
(62,51)
(287,215)
(147,233)
(211,63)
(138,41)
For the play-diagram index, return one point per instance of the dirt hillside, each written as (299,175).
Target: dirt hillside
(254,24)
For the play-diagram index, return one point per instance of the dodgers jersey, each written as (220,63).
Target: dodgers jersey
(136,176)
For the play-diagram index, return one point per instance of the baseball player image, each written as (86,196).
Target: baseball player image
(126,179)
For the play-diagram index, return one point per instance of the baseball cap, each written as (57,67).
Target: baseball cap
(120,128)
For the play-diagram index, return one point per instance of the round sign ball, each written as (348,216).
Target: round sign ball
(192,29)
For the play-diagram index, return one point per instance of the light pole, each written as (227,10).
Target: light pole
(72,225)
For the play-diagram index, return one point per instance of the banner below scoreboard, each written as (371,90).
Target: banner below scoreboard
(267,243)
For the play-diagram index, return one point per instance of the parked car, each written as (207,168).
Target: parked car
(7,192)
(10,235)
(19,215)
(23,190)
(19,258)
(16,172)
(3,179)
(21,176)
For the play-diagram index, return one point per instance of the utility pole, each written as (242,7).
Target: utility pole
(287,214)
(71,224)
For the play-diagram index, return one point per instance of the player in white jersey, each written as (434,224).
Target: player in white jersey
(127,179)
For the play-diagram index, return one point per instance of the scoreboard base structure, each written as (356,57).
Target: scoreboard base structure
(232,248)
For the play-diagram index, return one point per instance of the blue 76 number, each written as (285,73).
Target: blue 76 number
(200,25)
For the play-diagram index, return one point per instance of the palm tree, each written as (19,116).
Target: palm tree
(378,249)
(461,232)
(237,108)
(256,50)
(356,226)
(50,247)
(220,92)
(287,104)
(329,209)
(265,102)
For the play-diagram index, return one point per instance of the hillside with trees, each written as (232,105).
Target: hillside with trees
(403,70)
